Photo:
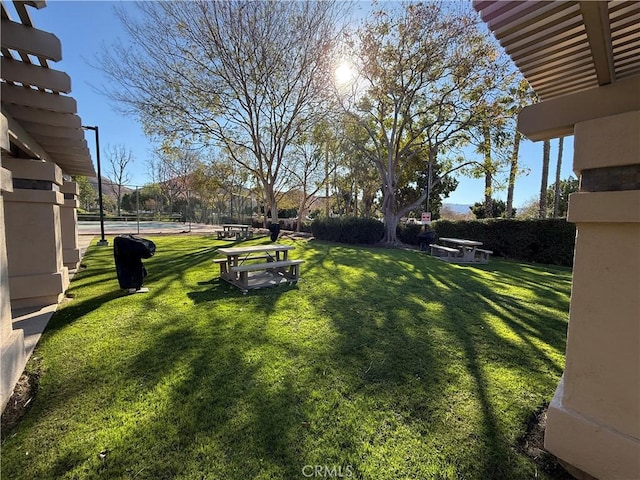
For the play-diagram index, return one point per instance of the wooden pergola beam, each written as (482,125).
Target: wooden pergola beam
(596,22)
(24,140)
(29,40)
(557,117)
(80,149)
(39,129)
(66,158)
(34,98)
(49,141)
(29,74)
(45,117)
(566,46)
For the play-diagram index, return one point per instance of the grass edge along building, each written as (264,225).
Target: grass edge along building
(43,144)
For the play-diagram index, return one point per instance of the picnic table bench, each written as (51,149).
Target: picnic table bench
(236,231)
(461,251)
(287,270)
(240,269)
(483,255)
(447,252)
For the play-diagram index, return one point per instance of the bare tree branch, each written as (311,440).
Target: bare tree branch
(240,76)
(119,159)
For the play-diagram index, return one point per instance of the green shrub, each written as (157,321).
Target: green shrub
(540,241)
(350,230)
(408,233)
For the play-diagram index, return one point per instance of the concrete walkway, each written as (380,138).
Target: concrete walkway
(34,320)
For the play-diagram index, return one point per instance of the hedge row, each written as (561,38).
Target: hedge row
(539,241)
(348,230)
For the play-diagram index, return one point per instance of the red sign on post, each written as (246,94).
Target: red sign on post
(426,217)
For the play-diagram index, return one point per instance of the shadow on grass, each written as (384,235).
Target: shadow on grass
(74,311)
(381,360)
(222,417)
(217,289)
(463,306)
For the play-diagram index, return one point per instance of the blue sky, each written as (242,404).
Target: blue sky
(85,27)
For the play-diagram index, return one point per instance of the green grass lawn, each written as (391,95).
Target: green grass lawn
(378,364)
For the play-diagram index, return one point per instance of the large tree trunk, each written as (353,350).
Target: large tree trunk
(429,180)
(556,197)
(513,172)
(274,210)
(302,210)
(488,169)
(270,202)
(390,216)
(265,223)
(119,198)
(488,188)
(355,200)
(390,225)
(544,182)
(326,181)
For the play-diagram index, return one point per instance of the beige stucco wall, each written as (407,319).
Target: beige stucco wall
(561,116)
(69,225)
(12,353)
(617,142)
(594,419)
(605,326)
(37,275)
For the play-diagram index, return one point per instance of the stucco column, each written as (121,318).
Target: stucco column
(37,275)
(12,354)
(593,421)
(69,225)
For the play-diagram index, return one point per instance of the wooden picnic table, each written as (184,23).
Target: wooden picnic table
(235,230)
(258,266)
(467,250)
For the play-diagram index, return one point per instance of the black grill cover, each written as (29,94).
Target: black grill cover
(128,252)
(274,228)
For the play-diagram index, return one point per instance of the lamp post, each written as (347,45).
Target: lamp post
(102,242)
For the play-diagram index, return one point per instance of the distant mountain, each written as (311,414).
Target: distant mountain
(108,187)
(458,207)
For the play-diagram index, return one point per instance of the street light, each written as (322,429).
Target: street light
(102,242)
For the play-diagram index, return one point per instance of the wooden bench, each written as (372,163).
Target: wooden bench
(483,254)
(234,233)
(223,262)
(448,251)
(278,267)
(223,265)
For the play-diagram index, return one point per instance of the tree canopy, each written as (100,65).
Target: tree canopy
(255,84)
(244,77)
(425,70)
